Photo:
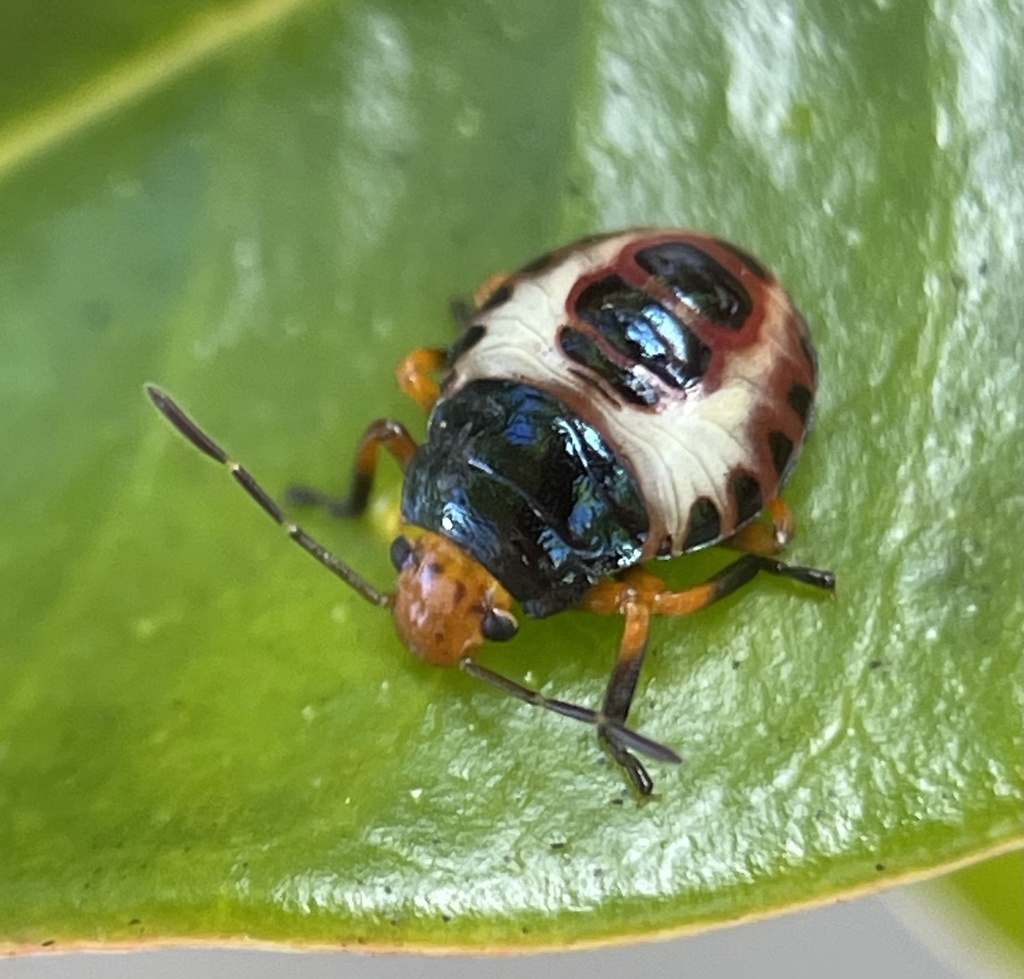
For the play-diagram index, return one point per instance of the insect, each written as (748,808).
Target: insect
(631,397)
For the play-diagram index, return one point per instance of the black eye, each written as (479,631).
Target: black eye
(401,552)
(499,625)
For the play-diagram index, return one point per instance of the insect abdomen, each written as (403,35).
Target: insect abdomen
(682,351)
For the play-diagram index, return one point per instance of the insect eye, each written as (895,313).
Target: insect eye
(499,625)
(401,552)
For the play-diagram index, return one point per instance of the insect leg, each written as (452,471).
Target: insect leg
(633,596)
(619,694)
(415,375)
(383,432)
(733,577)
(638,585)
(766,538)
(187,427)
(618,740)
(637,595)
(610,727)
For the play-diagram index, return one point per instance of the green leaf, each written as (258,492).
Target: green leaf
(262,207)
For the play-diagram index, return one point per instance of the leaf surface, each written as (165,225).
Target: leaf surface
(262,207)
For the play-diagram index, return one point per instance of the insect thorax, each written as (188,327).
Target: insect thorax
(529,490)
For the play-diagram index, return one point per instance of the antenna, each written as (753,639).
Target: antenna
(187,427)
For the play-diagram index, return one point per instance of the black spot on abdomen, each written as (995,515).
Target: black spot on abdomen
(800,398)
(583,349)
(470,337)
(540,263)
(700,281)
(782,448)
(637,326)
(705,524)
(746,493)
(496,298)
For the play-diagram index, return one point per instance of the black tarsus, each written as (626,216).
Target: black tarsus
(616,737)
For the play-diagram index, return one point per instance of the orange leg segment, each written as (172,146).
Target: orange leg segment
(415,375)
(767,538)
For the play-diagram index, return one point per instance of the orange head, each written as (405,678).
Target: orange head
(446,604)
